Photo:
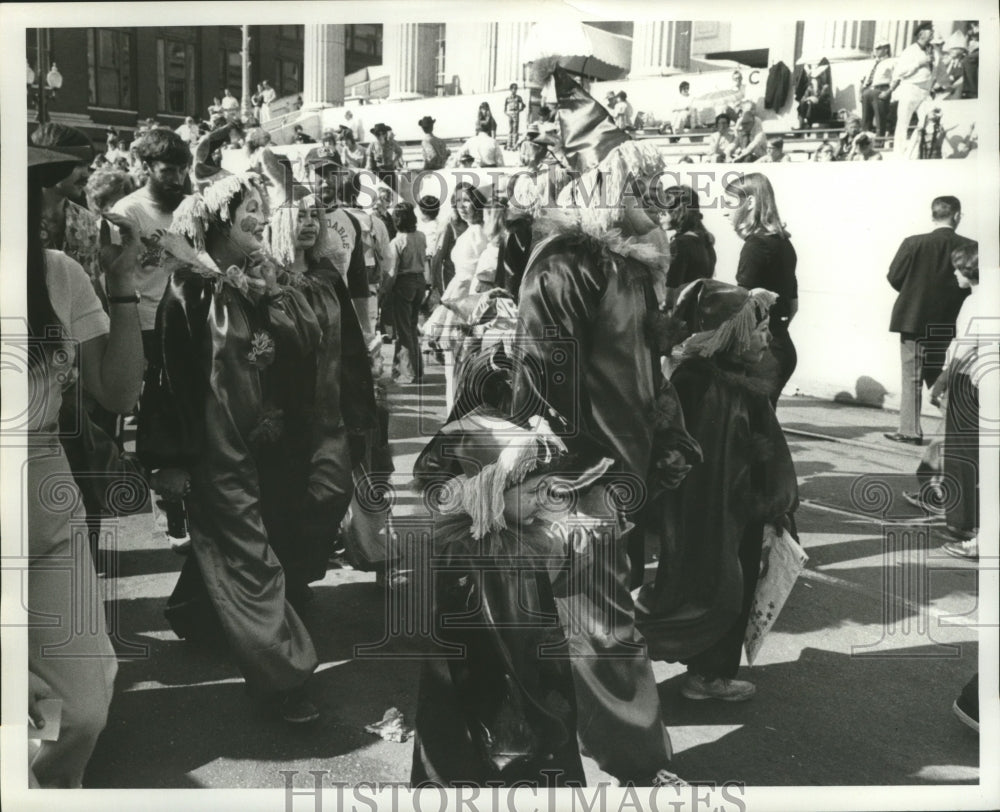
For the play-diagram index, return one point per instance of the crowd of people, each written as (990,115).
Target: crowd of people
(238,319)
(895,95)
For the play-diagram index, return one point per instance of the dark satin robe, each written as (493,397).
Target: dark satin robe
(208,407)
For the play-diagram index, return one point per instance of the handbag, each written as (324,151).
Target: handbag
(111,481)
(781,561)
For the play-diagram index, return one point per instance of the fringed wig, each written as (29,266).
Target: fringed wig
(598,196)
(215,205)
(719,317)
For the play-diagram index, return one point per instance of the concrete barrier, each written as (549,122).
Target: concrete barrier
(846,221)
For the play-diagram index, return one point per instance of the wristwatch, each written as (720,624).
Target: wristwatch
(134,298)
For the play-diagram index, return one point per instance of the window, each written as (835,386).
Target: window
(287,77)
(231,71)
(364,39)
(440,72)
(175,76)
(291,32)
(109,63)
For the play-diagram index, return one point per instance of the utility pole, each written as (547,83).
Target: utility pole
(247,92)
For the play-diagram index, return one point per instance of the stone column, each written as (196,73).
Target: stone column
(409,52)
(323,68)
(660,48)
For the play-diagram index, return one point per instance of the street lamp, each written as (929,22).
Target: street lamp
(53,80)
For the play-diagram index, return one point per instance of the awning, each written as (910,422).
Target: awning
(581,48)
(751,58)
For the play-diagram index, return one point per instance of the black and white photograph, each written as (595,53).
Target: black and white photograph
(427,406)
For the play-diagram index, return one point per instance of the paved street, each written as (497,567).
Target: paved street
(855,683)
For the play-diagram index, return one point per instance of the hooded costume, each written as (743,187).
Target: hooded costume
(584,360)
(712,526)
(209,407)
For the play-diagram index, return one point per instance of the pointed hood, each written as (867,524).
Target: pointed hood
(588,132)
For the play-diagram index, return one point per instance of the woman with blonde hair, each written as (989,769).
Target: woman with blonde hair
(767,261)
(328,401)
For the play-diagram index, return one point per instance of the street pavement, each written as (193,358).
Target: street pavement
(855,682)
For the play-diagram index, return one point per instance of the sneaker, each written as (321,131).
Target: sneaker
(296,708)
(665,778)
(728,690)
(963,549)
(933,502)
(966,707)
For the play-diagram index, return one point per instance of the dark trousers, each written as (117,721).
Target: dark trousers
(961,454)
(405,299)
(875,111)
(723,658)
(777,365)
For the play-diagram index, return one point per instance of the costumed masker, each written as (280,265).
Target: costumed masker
(585,361)
(209,416)
(697,609)
(327,399)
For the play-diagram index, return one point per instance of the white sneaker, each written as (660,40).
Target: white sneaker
(963,549)
(728,690)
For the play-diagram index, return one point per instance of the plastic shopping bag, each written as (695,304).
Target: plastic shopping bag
(781,561)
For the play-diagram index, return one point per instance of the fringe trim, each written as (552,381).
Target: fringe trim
(481,497)
(736,331)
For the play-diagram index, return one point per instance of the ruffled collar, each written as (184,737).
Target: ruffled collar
(613,242)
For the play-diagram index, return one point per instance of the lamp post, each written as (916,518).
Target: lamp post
(245,101)
(48,83)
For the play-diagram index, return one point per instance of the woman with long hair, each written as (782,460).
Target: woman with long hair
(211,413)
(485,121)
(692,249)
(407,286)
(767,261)
(446,325)
(68,329)
(328,403)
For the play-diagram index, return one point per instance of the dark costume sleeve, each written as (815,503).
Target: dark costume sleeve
(171,431)
(357,388)
(560,294)
(515,254)
(357,273)
(293,321)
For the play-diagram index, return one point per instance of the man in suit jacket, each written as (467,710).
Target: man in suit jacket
(926,309)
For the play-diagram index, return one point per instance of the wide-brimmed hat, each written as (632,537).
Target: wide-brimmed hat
(41,156)
(957,40)
(379,129)
(882,43)
(426,121)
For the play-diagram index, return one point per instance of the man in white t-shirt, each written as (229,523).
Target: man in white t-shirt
(230,105)
(167,159)
(483,149)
